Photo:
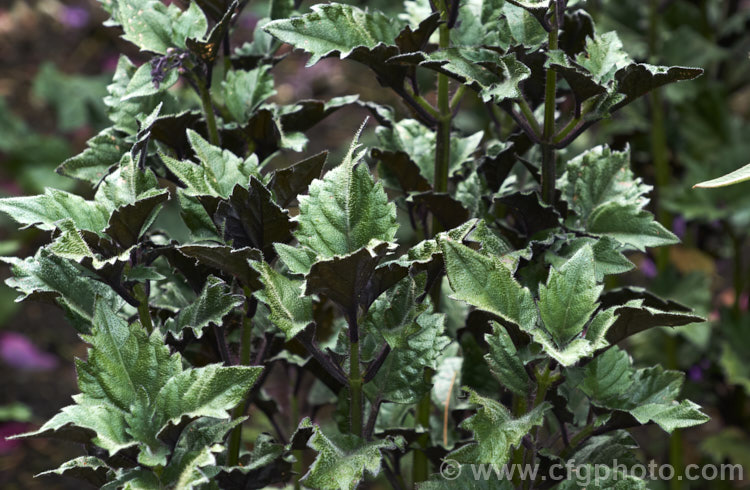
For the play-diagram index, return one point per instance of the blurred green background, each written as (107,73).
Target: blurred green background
(56,59)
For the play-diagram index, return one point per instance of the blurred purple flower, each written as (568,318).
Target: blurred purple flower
(695,373)
(10,429)
(679,226)
(648,268)
(18,352)
(74,17)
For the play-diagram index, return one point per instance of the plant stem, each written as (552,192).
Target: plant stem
(440,185)
(235,440)
(549,172)
(355,378)
(456,99)
(143,311)
(424,407)
(443,140)
(297,466)
(529,115)
(519,408)
(423,103)
(208,109)
(544,381)
(355,387)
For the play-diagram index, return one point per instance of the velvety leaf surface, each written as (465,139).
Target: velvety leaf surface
(152,26)
(342,462)
(415,345)
(609,200)
(505,362)
(487,284)
(244,91)
(495,430)
(570,296)
(46,275)
(212,305)
(335,29)
(217,172)
(290,311)
(345,210)
(131,386)
(647,394)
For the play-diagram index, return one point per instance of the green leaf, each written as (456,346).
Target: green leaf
(152,26)
(495,430)
(504,361)
(630,226)
(299,260)
(343,461)
(603,57)
(132,386)
(218,171)
(194,452)
(570,296)
(124,113)
(608,255)
(290,311)
(600,176)
(87,468)
(103,152)
(494,76)
(609,200)
(142,82)
(649,395)
(418,142)
(415,345)
(126,185)
(245,91)
(45,210)
(335,29)
(345,210)
(212,305)
(487,284)
(46,275)
(71,245)
(736,177)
